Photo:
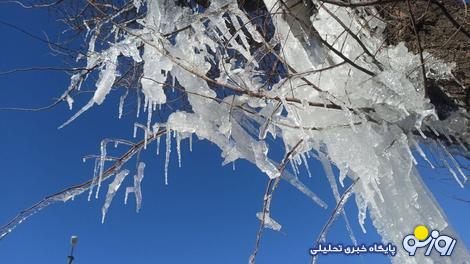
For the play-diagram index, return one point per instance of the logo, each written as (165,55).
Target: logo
(421,238)
(329,248)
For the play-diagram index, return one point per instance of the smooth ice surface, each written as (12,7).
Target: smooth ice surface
(112,189)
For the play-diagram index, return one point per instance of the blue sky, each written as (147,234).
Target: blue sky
(205,215)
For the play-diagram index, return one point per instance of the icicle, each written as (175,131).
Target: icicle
(308,154)
(85,108)
(264,129)
(137,189)
(297,160)
(178,148)
(158,145)
(112,189)
(296,168)
(293,167)
(102,160)
(343,171)
(329,174)
(447,137)
(453,173)
(167,155)
(128,190)
(362,206)
(456,164)
(302,155)
(420,131)
(433,129)
(420,150)
(294,181)
(411,155)
(146,104)
(95,170)
(121,106)
(145,138)
(121,103)
(191,142)
(149,115)
(138,104)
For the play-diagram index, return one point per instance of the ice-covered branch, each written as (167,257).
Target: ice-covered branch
(316,75)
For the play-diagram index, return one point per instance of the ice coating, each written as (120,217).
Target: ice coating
(268,221)
(364,115)
(136,189)
(260,150)
(112,189)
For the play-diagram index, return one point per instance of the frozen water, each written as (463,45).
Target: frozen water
(356,102)
(112,189)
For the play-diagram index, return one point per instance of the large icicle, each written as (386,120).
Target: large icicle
(167,155)
(103,85)
(112,189)
(136,189)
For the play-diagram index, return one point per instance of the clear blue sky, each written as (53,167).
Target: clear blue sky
(205,215)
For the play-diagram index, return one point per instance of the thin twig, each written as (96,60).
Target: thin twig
(68,193)
(420,48)
(268,195)
(338,209)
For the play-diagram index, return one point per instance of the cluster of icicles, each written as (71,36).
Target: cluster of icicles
(372,147)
